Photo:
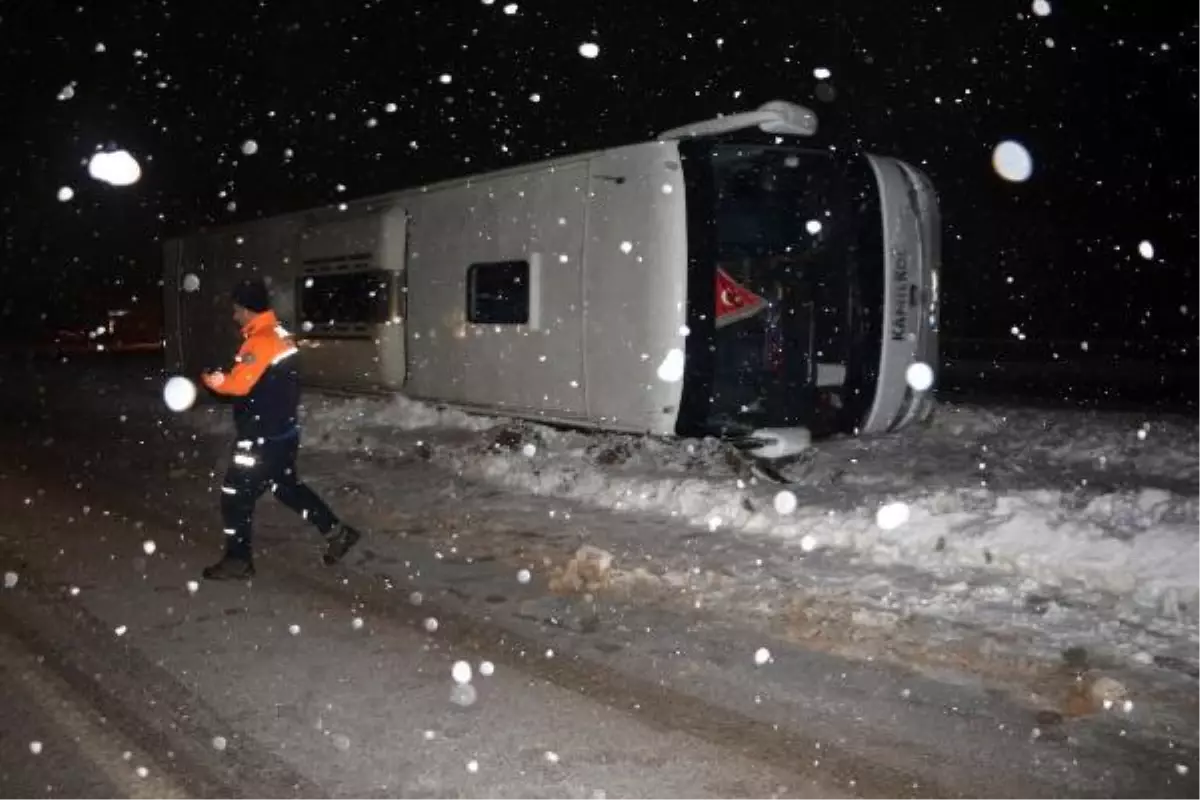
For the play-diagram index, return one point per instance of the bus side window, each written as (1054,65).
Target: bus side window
(335,301)
(498,293)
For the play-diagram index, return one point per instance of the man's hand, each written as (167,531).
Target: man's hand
(213,380)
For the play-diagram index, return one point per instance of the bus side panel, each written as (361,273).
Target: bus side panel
(393,254)
(437,350)
(635,288)
(537,219)
(906,283)
(548,361)
(532,367)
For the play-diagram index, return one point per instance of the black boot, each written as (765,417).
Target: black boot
(230,568)
(340,541)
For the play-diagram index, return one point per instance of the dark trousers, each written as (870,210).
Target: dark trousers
(253,469)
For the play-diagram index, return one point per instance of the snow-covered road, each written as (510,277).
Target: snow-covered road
(1039,602)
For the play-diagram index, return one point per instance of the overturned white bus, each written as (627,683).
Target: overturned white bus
(726,279)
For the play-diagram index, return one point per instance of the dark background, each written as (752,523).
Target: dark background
(1109,113)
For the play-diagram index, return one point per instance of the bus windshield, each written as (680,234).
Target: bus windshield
(780,238)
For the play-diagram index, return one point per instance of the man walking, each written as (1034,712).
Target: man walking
(265,389)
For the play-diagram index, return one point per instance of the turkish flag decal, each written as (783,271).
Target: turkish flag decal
(734,301)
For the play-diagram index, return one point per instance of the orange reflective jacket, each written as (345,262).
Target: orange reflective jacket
(263,382)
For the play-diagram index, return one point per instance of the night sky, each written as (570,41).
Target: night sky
(1104,96)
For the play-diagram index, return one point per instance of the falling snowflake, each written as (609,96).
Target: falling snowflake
(193,587)
(761,656)
(510,9)
(535,98)
(892,516)
(431,624)
(785,502)
(822,73)
(445,78)
(551,757)
(1041,8)
(191,282)
(589,50)
(472,766)
(149,547)
(523,576)
(529,450)
(808,543)
(35,747)
(116,168)
(486,668)
(667,188)
(249,147)
(10,580)
(1012,161)
(919,376)
(179,394)
(813,226)
(219,743)
(341,741)
(1146,250)
(390,108)
(627,247)
(65,194)
(67,92)
(670,370)
(120,630)
(357,623)
(294,630)
(461,672)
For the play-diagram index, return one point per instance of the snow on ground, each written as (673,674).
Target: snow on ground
(1033,539)
(1115,526)
(1068,526)
(1012,512)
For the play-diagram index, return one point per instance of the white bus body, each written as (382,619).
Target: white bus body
(727,279)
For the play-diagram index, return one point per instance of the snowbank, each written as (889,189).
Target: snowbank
(1089,503)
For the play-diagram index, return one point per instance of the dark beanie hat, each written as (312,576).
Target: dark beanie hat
(252,295)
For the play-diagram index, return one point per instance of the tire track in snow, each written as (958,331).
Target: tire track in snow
(79,650)
(103,747)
